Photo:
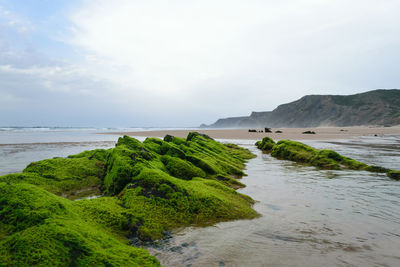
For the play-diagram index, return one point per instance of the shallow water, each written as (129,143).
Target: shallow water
(309,217)
(21,146)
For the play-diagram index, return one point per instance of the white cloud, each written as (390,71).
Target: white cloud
(182,62)
(264,52)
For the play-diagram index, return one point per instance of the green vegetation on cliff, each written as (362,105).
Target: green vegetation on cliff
(322,158)
(150,187)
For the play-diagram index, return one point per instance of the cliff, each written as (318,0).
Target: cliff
(378,107)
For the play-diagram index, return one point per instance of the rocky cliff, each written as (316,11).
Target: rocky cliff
(378,107)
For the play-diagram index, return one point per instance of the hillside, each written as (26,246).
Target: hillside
(378,107)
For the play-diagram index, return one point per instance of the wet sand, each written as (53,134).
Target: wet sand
(322,133)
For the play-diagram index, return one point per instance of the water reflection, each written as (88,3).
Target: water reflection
(310,217)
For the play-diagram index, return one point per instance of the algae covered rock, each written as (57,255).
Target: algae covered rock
(70,177)
(168,183)
(96,154)
(151,187)
(322,158)
(182,168)
(42,229)
(266,144)
(198,156)
(167,202)
(394,174)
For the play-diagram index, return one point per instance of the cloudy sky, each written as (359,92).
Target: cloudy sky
(186,62)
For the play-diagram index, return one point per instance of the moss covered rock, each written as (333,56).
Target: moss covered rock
(166,202)
(69,177)
(322,158)
(198,156)
(151,187)
(43,229)
(266,144)
(96,154)
(394,174)
(162,182)
(182,168)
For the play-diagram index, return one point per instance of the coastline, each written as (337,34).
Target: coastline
(322,133)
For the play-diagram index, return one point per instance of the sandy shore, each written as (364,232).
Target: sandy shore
(322,133)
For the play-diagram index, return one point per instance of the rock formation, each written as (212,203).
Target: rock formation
(378,107)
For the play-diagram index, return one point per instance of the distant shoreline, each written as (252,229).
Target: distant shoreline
(322,133)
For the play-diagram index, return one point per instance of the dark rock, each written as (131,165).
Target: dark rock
(168,138)
(176,249)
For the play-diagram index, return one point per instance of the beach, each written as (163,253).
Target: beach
(321,133)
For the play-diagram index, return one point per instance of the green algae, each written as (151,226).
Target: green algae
(119,169)
(214,157)
(159,178)
(322,158)
(46,230)
(266,144)
(228,181)
(174,139)
(24,205)
(151,187)
(170,202)
(70,177)
(394,174)
(182,168)
(97,154)
(198,156)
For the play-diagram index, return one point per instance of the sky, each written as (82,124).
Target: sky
(180,63)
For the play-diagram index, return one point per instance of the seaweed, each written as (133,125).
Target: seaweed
(46,230)
(70,177)
(266,144)
(321,158)
(394,174)
(148,188)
